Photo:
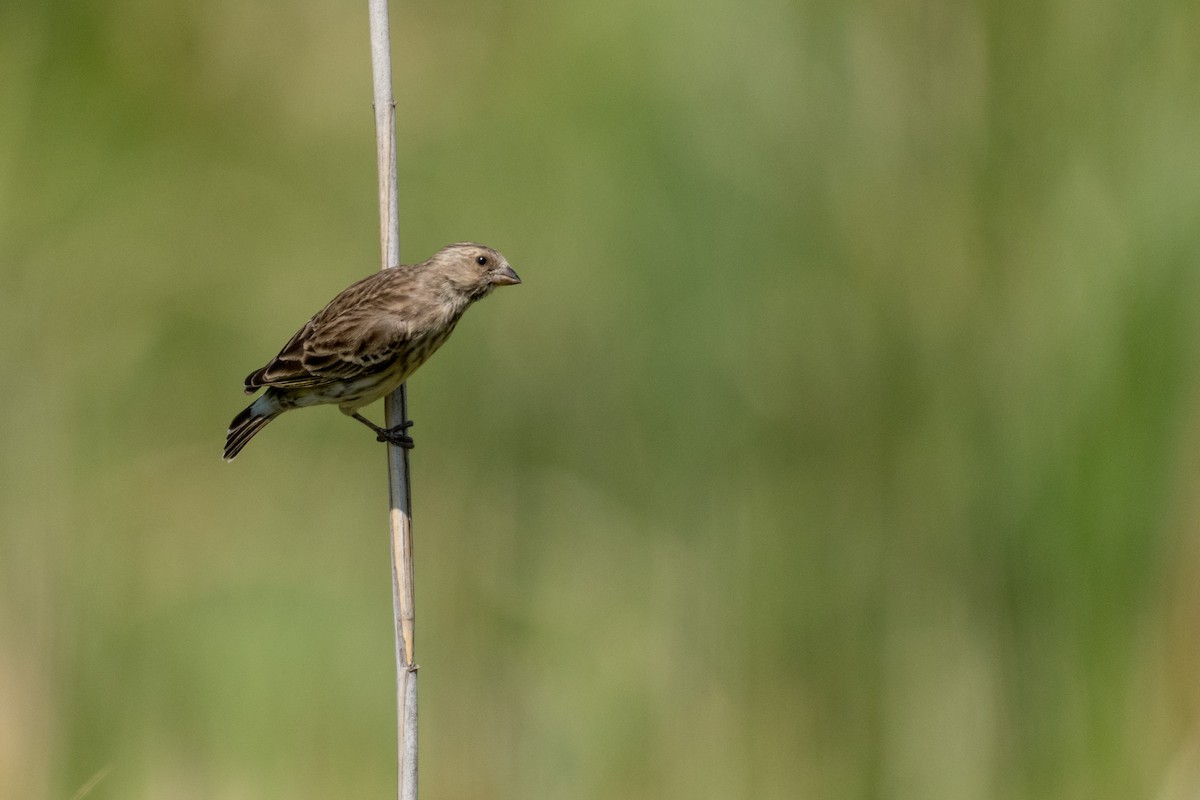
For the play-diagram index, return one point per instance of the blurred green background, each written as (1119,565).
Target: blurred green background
(842,442)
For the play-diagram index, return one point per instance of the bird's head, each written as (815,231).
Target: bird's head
(472,270)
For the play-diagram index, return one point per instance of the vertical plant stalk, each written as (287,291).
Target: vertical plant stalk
(395,412)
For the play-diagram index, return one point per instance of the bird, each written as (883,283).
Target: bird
(370,338)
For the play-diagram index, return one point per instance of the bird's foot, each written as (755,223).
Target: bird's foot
(396,435)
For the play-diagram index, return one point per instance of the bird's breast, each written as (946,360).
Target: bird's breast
(362,391)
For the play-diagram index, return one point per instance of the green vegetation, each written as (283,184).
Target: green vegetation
(840,442)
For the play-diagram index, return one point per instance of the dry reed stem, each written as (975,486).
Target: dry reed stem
(395,412)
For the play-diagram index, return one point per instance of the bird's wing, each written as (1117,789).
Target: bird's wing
(356,334)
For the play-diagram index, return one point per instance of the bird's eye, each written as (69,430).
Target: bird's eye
(481,260)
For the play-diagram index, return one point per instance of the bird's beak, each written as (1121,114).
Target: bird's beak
(505,277)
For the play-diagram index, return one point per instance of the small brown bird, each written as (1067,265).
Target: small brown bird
(370,338)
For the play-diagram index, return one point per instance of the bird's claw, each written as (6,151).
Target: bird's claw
(396,435)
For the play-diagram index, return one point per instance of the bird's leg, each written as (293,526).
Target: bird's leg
(395,435)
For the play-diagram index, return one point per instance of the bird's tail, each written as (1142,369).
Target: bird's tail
(252,420)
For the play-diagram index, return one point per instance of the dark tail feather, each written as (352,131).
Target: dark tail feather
(252,420)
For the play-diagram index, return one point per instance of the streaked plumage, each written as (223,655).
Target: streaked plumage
(370,338)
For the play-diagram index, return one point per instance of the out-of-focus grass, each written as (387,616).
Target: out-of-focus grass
(839,443)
